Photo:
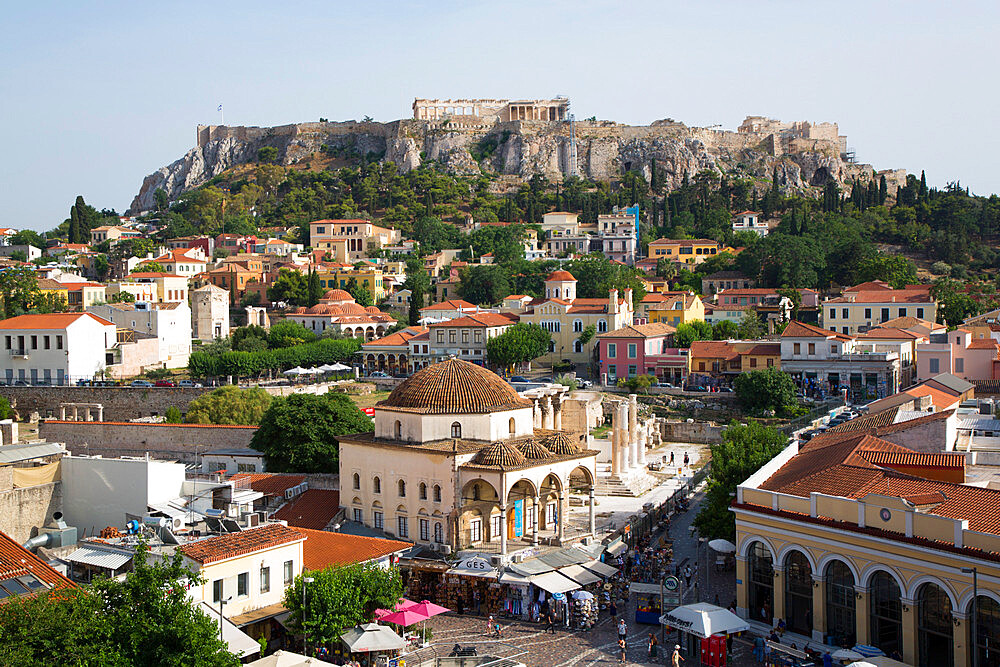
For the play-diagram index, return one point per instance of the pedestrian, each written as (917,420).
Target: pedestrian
(687,459)
(550,622)
(676,659)
(758,649)
(489,625)
(475,600)
(623,647)
(614,607)
(460,603)
(716,600)
(499,630)
(652,647)
(622,629)
(671,457)
(827,659)
(687,575)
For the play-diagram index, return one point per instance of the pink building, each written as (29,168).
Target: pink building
(956,352)
(642,349)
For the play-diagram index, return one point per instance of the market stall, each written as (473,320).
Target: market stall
(648,602)
(473,586)
(697,625)
(371,641)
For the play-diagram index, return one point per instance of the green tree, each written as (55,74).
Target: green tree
(5,410)
(18,288)
(751,327)
(688,332)
(101,267)
(766,389)
(267,154)
(339,598)
(287,334)
(250,338)
(145,619)
(314,291)
(742,452)
(299,433)
(173,415)
(484,285)
(587,334)
(149,267)
(289,287)
(637,383)
(27,237)
(518,344)
(19,256)
(896,270)
(418,282)
(161,197)
(725,330)
(229,405)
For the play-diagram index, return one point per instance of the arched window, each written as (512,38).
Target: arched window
(402,489)
(577,326)
(438,533)
(552,346)
(377,485)
(577,346)
(934,627)
(840,609)
(886,628)
(556,293)
(512,426)
(602,326)
(761,583)
(798,593)
(398,430)
(987,638)
(423,491)
(456,430)
(437,493)
(357,481)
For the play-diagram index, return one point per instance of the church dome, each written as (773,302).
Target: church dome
(337,295)
(353,309)
(560,276)
(373,309)
(533,450)
(455,386)
(561,444)
(501,454)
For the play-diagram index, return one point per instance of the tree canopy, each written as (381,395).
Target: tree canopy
(298,433)
(484,285)
(229,405)
(518,344)
(765,389)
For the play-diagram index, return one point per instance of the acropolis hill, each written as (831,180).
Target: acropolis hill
(521,138)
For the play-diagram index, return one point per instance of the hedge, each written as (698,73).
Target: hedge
(245,364)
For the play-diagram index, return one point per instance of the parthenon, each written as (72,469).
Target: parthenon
(489,110)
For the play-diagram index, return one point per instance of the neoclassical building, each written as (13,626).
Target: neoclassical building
(853,538)
(459,459)
(338,310)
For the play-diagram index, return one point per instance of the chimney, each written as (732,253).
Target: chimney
(613,302)
(628,298)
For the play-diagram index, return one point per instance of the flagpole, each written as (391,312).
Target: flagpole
(223,112)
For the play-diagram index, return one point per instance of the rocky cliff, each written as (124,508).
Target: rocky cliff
(521,149)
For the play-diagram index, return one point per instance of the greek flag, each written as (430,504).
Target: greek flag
(220,107)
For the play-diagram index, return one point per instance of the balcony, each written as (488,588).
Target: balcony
(21,354)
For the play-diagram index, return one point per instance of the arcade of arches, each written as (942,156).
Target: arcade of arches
(828,601)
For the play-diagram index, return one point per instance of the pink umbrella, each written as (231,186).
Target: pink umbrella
(399,606)
(405,617)
(428,609)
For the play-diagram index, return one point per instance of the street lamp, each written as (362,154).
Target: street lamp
(975,594)
(305,633)
(222,603)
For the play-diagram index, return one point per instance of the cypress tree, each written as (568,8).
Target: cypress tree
(922,193)
(416,303)
(883,190)
(74,226)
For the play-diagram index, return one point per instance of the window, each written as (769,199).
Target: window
(602,326)
(377,519)
(753,362)
(217,591)
(868,313)
(577,346)
(612,350)
(935,365)
(452,336)
(761,571)
(798,593)
(476,530)
(59,342)
(357,481)
(437,493)
(885,314)
(287,573)
(402,526)
(843,313)
(478,336)
(770,363)
(797,348)
(425,530)
(885,613)
(377,485)
(359,515)
(243,584)
(465,335)
(402,489)
(902,312)
(265,580)
(577,326)
(512,426)
(7,342)
(496,523)
(440,335)
(550,514)
(246,467)
(45,341)
(960,365)
(438,533)
(833,349)
(920,313)
(631,370)
(34,342)
(844,329)
(631,351)
(812,348)
(475,492)
(840,605)
(456,430)
(423,491)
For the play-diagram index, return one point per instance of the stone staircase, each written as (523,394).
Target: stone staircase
(633,486)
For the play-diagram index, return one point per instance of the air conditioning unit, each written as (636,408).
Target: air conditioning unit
(444,549)
(517,558)
(251,520)
(432,546)
(496,561)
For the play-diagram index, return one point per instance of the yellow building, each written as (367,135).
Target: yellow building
(48,287)
(686,251)
(674,308)
(874,303)
(370,279)
(858,540)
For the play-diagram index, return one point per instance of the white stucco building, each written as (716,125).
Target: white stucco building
(169,322)
(210,312)
(58,348)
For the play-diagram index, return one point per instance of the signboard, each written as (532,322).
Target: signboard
(518,518)
(474,563)
(369,411)
(671,591)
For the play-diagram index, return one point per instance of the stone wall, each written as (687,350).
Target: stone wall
(120,403)
(700,432)
(23,511)
(182,442)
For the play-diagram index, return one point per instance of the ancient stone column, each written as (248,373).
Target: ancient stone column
(503,530)
(547,417)
(557,406)
(593,517)
(537,412)
(626,448)
(559,517)
(616,465)
(62,412)
(100,413)
(643,435)
(534,524)
(633,434)
(76,414)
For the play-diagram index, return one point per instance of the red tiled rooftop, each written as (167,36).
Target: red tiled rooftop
(16,561)
(49,321)
(270,484)
(324,549)
(242,543)
(314,508)
(796,329)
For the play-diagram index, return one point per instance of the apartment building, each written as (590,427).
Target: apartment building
(59,348)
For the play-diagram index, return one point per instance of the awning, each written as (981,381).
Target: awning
(600,568)
(239,642)
(532,566)
(580,575)
(169,510)
(475,566)
(270,611)
(511,577)
(616,548)
(704,620)
(553,582)
(110,560)
(564,557)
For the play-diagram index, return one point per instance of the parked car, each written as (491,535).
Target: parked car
(378,374)
(544,380)
(188,383)
(518,378)
(164,383)
(83,383)
(726,390)
(586,384)
(141,383)
(696,388)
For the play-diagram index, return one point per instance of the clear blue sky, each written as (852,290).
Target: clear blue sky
(97,95)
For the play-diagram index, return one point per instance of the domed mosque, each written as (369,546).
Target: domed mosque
(338,310)
(456,460)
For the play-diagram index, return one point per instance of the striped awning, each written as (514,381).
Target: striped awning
(110,560)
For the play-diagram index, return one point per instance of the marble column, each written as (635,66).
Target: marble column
(503,530)
(559,517)
(593,515)
(627,452)
(557,406)
(547,413)
(100,413)
(76,414)
(537,412)
(62,412)
(616,464)
(633,431)
(643,433)
(534,524)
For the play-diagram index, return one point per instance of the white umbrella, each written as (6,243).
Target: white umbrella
(311,371)
(861,663)
(582,595)
(372,637)
(722,546)
(337,367)
(298,370)
(846,654)
(327,368)
(704,620)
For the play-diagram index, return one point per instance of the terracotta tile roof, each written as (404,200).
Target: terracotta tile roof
(16,561)
(713,349)
(478,320)
(889,333)
(516,296)
(764,348)
(983,344)
(450,304)
(501,454)
(270,484)
(867,422)
(640,331)
(869,286)
(912,322)
(242,543)
(314,508)
(564,276)
(454,386)
(941,400)
(50,321)
(324,549)
(796,329)
(401,337)
(915,459)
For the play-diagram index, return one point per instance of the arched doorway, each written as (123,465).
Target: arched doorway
(760,566)
(521,510)
(841,619)
(934,627)
(798,593)
(986,633)
(479,499)
(550,510)
(885,627)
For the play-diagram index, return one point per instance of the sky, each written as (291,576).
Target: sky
(94,96)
